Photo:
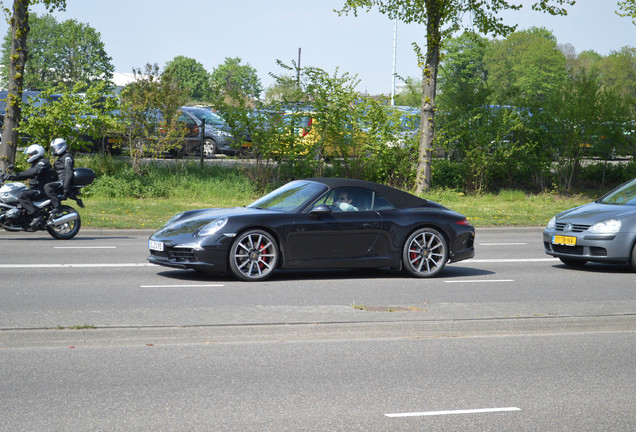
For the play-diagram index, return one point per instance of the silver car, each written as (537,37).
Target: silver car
(601,231)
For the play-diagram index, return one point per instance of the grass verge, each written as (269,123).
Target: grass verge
(121,198)
(508,208)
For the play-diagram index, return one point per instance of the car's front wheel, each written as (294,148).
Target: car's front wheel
(632,258)
(425,253)
(210,147)
(253,255)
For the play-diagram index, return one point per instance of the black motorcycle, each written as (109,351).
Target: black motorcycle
(63,225)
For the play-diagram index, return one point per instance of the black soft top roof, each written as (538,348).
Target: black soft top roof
(398,198)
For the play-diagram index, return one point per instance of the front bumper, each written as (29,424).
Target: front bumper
(208,258)
(591,247)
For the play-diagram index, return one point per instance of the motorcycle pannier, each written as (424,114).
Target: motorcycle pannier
(83,176)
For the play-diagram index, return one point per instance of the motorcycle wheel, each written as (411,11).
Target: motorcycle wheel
(67,230)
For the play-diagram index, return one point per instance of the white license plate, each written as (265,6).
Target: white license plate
(155,245)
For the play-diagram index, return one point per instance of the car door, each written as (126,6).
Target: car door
(192,131)
(334,238)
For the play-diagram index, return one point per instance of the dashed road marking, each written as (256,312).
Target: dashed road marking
(84,247)
(510,260)
(182,286)
(502,244)
(438,413)
(479,280)
(106,265)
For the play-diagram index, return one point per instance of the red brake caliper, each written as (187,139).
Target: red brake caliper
(261,249)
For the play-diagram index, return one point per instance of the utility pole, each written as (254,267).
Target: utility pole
(394,62)
(298,69)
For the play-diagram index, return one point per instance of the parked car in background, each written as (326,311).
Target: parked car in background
(337,144)
(217,136)
(30,97)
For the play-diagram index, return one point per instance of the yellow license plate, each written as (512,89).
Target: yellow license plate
(564,240)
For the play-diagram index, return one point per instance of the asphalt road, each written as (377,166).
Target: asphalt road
(551,382)
(101,280)
(511,340)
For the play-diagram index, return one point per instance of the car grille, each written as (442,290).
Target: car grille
(575,227)
(571,250)
(175,254)
(181,255)
(575,250)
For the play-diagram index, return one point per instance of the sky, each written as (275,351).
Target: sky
(259,32)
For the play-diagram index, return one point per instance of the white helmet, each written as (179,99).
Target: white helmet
(35,152)
(58,146)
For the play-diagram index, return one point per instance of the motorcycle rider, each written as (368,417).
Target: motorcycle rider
(64,169)
(40,173)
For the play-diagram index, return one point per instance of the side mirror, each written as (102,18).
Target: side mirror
(321,209)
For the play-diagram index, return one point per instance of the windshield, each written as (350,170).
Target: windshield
(291,197)
(622,195)
(210,117)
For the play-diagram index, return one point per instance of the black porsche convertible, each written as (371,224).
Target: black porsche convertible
(317,224)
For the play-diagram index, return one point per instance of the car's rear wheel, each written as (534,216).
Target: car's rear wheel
(253,255)
(425,253)
(573,262)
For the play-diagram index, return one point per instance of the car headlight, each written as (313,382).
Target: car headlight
(552,223)
(213,227)
(609,226)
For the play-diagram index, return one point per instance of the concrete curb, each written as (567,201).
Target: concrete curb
(314,332)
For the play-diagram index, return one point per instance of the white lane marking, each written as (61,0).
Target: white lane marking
(181,286)
(502,244)
(437,413)
(510,260)
(479,280)
(74,265)
(84,247)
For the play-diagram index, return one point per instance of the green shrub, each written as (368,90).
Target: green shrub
(447,174)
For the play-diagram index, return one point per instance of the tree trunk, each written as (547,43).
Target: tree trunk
(17,60)
(429,85)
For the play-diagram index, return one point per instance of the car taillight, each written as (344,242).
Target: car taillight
(463,222)
(196,129)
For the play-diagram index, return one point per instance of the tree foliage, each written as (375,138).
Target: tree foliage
(441,18)
(412,94)
(585,119)
(524,68)
(627,8)
(80,117)
(64,53)
(535,138)
(321,126)
(149,111)
(18,19)
(191,76)
(236,80)
(490,142)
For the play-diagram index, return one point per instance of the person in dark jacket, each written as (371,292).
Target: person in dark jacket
(40,173)
(64,169)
